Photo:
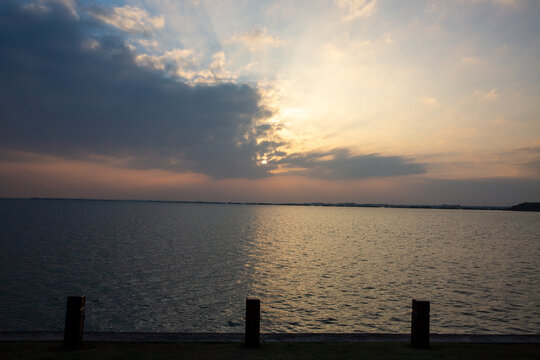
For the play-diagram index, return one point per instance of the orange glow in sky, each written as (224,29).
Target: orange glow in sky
(279,101)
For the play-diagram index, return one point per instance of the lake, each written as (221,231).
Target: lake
(177,267)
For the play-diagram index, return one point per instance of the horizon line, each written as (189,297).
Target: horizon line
(315,203)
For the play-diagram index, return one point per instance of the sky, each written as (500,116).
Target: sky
(367,101)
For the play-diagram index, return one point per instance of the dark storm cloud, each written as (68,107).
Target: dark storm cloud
(70,88)
(340,164)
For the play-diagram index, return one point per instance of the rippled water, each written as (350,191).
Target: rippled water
(189,267)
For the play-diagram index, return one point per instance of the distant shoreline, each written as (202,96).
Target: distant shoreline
(527,206)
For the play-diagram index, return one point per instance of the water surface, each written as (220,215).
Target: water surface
(188,267)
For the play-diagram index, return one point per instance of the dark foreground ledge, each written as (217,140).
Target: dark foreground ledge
(89,336)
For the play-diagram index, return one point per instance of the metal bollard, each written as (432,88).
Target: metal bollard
(253,322)
(420,324)
(73,331)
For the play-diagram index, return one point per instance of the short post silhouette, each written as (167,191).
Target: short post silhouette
(420,324)
(253,322)
(73,331)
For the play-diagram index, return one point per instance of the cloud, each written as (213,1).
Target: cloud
(185,64)
(472,61)
(148,44)
(341,164)
(484,191)
(491,95)
(128,18)
(429,100)
(256,39)
(527,158)
(388,38)
(60,96)
(507,3)
(73,90)
(357,8)
(503,3)
(218,68)
(182,63)
(44,6)
(53,177)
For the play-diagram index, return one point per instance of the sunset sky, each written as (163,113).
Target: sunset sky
(368,101)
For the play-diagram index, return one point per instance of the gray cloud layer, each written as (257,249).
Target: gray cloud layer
(66,92)
(340,164)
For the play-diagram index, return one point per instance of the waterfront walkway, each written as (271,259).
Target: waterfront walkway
(277,350)
(118,345)
(93,336)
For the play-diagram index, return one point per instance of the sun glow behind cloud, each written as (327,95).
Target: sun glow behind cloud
(325,91)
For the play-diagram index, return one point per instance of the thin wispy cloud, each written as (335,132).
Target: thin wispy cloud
(489,95)
(257,39)
(128,18)
(502,3)
(512,3)
(429,100)
(355,9)
(472,61)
